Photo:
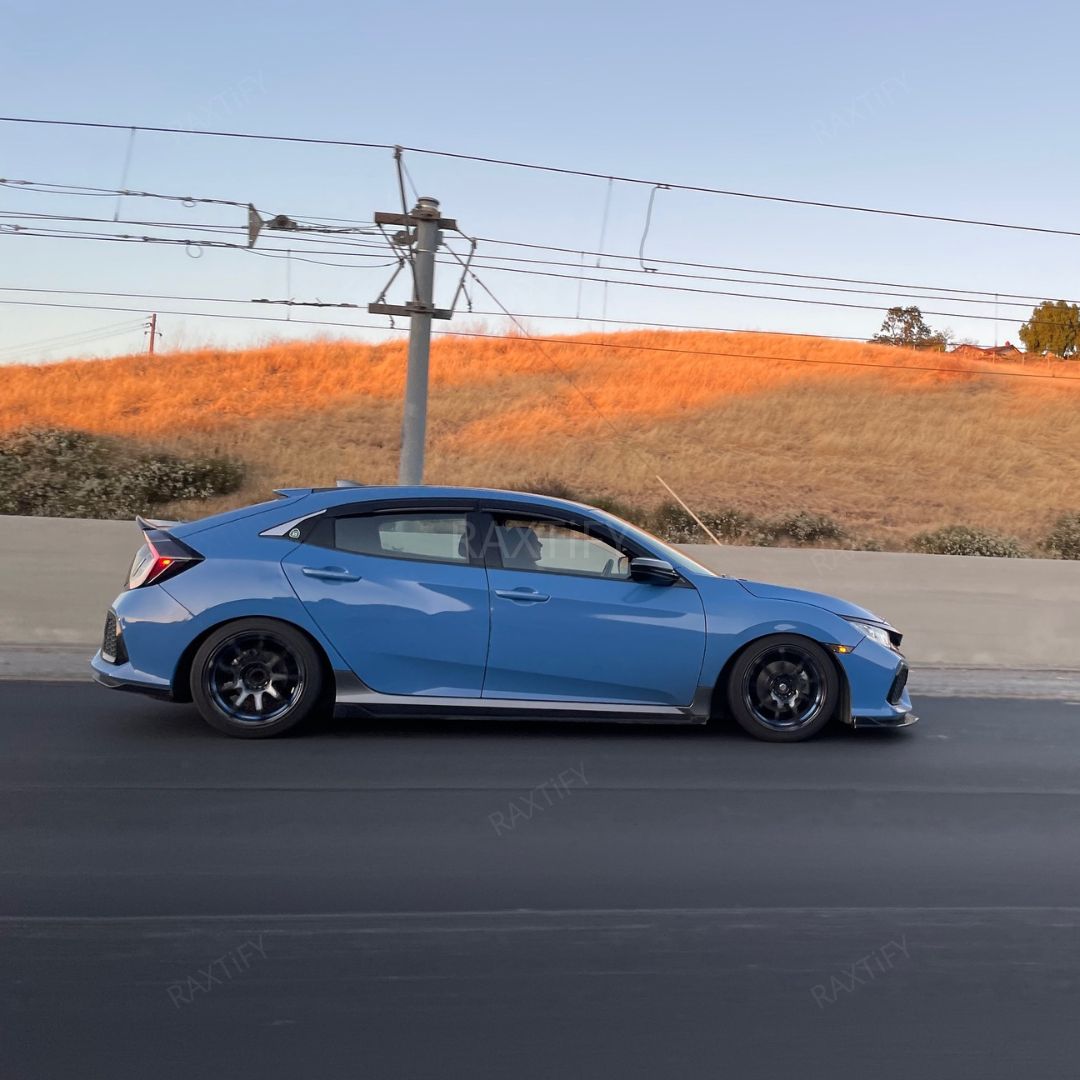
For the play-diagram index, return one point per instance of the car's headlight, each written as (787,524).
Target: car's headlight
(874,632)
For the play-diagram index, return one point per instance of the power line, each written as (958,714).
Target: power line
(44,187)
(347,305)
(167,296)
(653,273)
(327,236)
(193,245)
(196,245)
(554,169)
(741,270)
(741,295)
(576,341)
(368,227)
(76,338)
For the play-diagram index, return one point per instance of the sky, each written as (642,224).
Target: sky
(929,107)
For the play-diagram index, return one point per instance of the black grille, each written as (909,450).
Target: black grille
(898,684)
(112,644)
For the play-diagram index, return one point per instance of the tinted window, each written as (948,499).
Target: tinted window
(527,544)
(434,537)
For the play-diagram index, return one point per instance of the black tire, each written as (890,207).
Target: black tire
(256,678)
(783,688)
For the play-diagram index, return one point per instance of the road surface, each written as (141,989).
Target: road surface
(447,899)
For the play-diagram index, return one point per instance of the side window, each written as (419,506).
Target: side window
(535,544)
(431,537)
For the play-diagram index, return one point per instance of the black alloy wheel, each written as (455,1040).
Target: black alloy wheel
(783,688)
(255,678)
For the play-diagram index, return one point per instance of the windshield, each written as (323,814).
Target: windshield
(676,557)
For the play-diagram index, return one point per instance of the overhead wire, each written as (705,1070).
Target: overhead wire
(333,235)
(55,188)
(353,248)
(555,169)
(76,338)
(607,344)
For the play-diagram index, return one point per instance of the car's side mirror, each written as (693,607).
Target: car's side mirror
(654,571)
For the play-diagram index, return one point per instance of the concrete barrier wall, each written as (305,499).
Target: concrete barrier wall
(952,609)
(58,576)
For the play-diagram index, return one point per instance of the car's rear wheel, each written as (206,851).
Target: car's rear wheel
(255,678)
(783,688)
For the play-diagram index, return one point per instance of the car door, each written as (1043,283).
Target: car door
(568,623)
(401,598)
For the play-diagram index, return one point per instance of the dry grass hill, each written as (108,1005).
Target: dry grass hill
(857,432)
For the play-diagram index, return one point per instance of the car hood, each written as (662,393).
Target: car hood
(843,608)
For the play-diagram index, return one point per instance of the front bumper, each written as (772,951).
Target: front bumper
(877,681)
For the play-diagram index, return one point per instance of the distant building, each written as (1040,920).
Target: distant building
(1008,351)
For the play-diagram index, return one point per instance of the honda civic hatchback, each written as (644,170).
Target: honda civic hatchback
(455,601)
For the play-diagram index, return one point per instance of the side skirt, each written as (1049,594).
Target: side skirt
(352,692)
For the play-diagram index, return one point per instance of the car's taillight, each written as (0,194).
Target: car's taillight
(161,557)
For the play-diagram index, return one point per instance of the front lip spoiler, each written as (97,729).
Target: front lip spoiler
(902,720)
(113,683)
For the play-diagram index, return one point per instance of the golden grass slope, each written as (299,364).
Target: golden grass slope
(860,432)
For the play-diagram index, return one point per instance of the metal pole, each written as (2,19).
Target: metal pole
(414,422)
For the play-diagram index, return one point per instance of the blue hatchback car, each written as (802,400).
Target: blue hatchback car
(456,601)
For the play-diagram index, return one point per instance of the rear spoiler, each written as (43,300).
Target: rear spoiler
(150,524)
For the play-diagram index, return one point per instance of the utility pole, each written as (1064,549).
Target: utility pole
(153,333)
(417,243)
(424,242)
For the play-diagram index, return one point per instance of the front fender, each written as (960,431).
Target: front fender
(734,618)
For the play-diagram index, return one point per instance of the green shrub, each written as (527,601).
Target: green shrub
(865,543)
(1063,539)
(961,540)
(56,473)
(672,523)
(729,523)
(803,528)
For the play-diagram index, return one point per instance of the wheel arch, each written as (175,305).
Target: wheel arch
(181,681)
(718,709)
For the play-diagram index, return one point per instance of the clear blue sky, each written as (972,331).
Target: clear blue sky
(930,107)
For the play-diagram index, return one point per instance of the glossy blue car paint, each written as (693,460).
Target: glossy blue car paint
(593,639)
(402,629)
(403,626)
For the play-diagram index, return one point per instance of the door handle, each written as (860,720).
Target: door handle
(330,573)
(530,596)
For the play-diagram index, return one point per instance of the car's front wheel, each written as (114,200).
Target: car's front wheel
(783,689)
(255,678)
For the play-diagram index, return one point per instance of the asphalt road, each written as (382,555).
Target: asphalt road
(439,899)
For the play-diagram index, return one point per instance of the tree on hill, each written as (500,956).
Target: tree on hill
(905,326)
(1054,327)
